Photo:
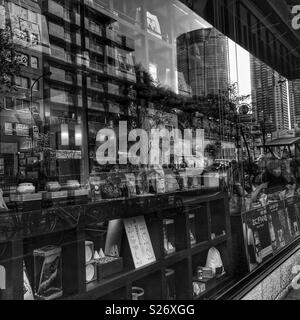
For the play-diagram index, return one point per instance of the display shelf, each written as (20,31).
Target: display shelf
(95,290)
(208,244)
(175,258)
(151,286)
(74,230)
(118,294)
(66,216)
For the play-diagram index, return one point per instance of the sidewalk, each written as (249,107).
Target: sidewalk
(293,295)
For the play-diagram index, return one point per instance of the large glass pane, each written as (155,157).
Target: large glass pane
(140,113)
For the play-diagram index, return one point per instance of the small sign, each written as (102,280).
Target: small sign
(153,25)
(139,241)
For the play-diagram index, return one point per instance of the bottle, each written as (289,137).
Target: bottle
(199,273)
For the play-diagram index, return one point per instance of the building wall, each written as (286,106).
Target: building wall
(294,95)
(203,59)
(269,92)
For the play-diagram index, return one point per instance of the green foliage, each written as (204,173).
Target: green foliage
(9,61)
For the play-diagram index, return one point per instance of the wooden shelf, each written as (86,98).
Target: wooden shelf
(97,289)
(175,257)
(195,249)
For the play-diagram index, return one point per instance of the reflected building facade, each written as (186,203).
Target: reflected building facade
(294,96)
(269,96)
(203,61)
(22,109)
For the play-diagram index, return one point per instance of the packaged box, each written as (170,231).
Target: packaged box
(78,193)
(198,287)
(48,273)
(108,266)
(57,194)
(207,273)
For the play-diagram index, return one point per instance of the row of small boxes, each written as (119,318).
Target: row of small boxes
(98,268)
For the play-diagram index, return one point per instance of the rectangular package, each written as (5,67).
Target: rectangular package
(48,273)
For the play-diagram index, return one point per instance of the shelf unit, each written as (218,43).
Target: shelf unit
(71,230)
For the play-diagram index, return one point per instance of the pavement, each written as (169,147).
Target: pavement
(293,295)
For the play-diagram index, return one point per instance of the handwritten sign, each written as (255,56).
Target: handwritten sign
(139,241)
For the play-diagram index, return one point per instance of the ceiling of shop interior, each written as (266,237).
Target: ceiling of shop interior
(279,47)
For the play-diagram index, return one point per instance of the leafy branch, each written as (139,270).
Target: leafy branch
(9,61)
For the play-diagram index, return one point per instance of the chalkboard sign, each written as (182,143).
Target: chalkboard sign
(279,231)
(292,216)
(258,240)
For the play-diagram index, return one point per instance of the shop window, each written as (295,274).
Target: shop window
(171,72)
